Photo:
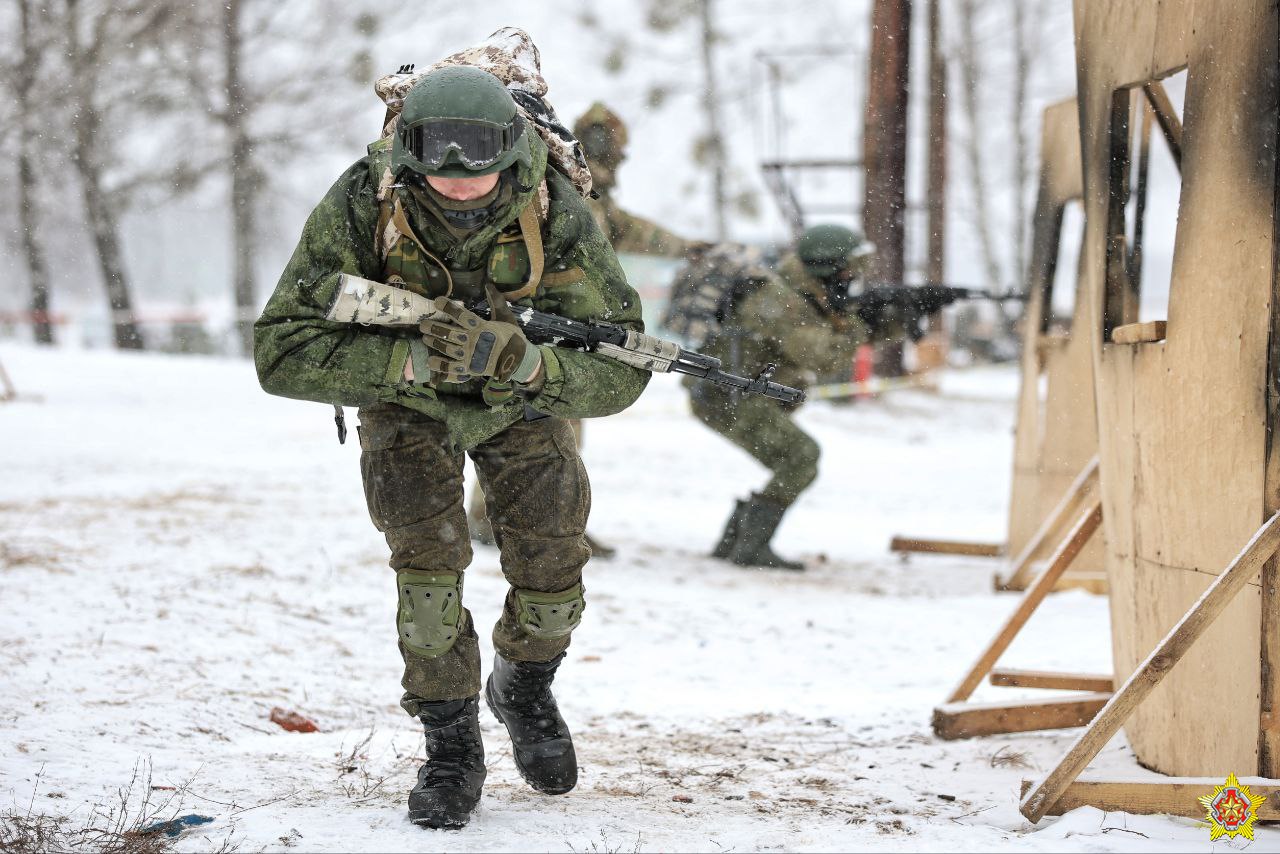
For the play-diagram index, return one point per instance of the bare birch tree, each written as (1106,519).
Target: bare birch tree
(22,77)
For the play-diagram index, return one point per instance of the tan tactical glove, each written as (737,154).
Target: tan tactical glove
(466,345)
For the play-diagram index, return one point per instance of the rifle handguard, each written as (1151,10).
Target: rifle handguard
(643,351)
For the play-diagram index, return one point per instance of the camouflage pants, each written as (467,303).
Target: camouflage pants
(538,497)
(764,429)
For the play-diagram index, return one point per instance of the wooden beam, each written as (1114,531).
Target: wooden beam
(971,720)
(1062,558)
(945,547)
(1167,118)
(1140,333)
(1008,677)
(1144,680)
(1174,796)
(1021,570)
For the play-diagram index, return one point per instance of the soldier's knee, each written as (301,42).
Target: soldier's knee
(805,461)
(429,618)
(550,616)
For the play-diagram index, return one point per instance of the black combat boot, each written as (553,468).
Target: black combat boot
(755,529)
(730,536)
(519,695)
(449,784)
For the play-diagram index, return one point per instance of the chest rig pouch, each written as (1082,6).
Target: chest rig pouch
(514,267)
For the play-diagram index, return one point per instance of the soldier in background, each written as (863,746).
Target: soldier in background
(603,137)
(800,318)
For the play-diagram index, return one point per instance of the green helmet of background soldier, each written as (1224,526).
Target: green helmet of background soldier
(829,250)
(459,122)
(603,137)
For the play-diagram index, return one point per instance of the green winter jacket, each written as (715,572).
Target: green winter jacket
(300,354)
(786,320)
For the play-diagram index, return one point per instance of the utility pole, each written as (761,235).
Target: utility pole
(884,141)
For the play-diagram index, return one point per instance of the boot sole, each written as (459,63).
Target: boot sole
(524,774)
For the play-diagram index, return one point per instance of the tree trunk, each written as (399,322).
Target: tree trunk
(101,217)
(937,179)
(711,109)
(33,253)
(244,184)
(884,157)
(971,83)
(1021,144)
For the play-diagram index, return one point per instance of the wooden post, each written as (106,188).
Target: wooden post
(1067,551)
(884,141)
(1144,680)
(1022,566)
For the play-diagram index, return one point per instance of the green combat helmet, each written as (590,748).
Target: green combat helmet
(459,122)
(827,250)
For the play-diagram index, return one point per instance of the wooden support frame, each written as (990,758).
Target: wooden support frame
(1166,117)
(1050,530)
(1175,796)
(945,547)
(1011,678)
(973,720)
(1249,562)
(958,719)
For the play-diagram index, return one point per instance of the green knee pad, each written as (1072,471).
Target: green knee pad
(430,611)
(550,615)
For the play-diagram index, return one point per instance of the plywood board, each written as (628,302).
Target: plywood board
(1183,438)
(1056,433)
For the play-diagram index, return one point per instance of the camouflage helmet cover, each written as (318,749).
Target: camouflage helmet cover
(828,249)
(602,134)
(467,99)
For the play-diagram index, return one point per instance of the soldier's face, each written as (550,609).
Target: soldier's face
(463,189)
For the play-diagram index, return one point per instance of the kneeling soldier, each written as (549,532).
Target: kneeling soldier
(461,205)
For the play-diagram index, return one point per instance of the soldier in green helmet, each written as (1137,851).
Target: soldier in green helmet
(461,206)
(798,317)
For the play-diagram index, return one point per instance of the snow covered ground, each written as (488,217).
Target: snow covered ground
(180,553)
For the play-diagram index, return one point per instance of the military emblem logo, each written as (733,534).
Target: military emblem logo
(1232,810)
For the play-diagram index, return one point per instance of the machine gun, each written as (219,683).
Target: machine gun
(880,305)
(367,302)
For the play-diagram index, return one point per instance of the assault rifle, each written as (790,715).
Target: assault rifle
(366,302)
(879,305)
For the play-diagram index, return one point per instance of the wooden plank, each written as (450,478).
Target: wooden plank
(946,547)
(1167,118)
(1009,677)
(1169,652)
(1174,796)
(1021,569)
(1066,552)
(1140,333)
(973,720)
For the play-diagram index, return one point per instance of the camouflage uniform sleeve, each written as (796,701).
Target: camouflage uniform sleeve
(807,338)
(584,282)
(298,352)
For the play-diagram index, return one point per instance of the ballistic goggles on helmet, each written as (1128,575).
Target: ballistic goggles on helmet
(477,144)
